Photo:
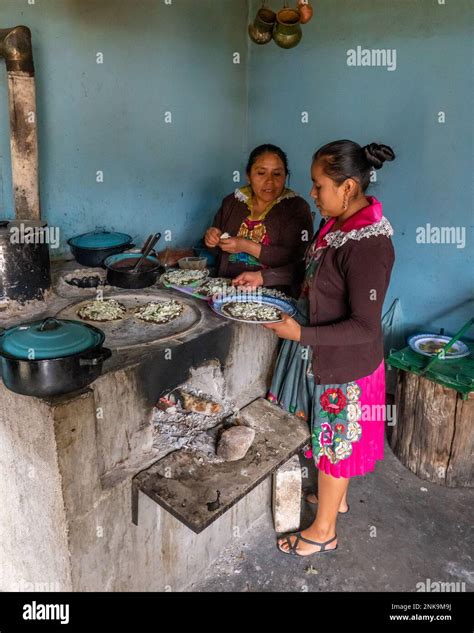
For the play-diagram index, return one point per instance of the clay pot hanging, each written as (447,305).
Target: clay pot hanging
(287,32)
(306,11)
(261,30)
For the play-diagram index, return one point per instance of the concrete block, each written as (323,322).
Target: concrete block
(287,496)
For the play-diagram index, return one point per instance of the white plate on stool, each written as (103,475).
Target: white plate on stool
(460,349)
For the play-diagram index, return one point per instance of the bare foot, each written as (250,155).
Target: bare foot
(306,549)
(343,508)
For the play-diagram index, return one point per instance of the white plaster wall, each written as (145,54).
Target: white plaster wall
(33,532)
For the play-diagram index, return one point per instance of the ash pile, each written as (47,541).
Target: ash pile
(201,424)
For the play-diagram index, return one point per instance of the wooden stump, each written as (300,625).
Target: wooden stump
(433,435)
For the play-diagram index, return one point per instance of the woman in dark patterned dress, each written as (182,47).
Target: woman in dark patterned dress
(267,224)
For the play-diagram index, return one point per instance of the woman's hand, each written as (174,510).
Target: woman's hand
(241,245)
(289,328)
(250,279)
(233,245)
(212,237)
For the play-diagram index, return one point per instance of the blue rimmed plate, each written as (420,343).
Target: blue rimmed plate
(222,306)
(430,345)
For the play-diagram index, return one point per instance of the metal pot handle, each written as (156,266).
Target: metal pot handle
(94,358)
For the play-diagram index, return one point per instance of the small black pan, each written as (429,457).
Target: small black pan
(120,271)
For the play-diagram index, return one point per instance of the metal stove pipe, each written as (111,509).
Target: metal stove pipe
(15,47)
(24,264)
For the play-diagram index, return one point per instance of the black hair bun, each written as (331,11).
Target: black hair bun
(377,154)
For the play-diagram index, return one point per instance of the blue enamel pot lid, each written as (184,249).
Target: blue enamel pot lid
(49,338)
(97,240)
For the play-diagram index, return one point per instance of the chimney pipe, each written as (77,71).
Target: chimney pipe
(15,47)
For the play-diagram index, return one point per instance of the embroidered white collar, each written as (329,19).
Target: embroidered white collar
(243,197)
(336,239)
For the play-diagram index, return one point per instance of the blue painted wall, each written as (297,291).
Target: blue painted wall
(431,180)
(110,116)
(179,58)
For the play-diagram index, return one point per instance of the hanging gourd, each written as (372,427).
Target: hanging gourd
(306,11)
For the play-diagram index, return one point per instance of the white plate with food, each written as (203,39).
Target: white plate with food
(431,344)
(219,287)
(256,310)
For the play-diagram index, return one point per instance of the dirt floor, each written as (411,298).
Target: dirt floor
(400,531)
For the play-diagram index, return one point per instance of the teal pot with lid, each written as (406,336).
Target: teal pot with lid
(92,249)
(51,356)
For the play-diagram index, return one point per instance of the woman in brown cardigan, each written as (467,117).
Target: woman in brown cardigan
(267,225)
(330,370)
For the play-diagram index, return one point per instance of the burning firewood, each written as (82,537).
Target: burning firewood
(199,404)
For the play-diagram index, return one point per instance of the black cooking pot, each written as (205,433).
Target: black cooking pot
(51,356)
(120,270)
(91,249)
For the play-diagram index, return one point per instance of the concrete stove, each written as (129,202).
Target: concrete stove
(68,465)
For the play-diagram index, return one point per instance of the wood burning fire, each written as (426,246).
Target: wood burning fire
(206,428)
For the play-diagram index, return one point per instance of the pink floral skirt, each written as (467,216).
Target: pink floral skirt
(347,421)
(370,446)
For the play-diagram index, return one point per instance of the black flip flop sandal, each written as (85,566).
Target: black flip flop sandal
(299,537)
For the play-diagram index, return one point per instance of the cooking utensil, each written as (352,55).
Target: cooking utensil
(51,356)
(287,32)
(92,249)
(149,244)
(147,241)
(261,30)
(120,271)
